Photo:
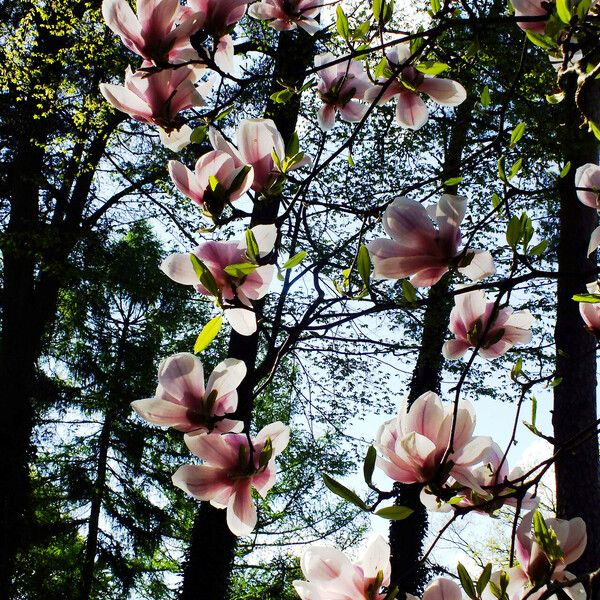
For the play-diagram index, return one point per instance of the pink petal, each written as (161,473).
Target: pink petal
(126,101)
(226,377)
(186,182)
(444,91)
(216,450)
(594,241)
(411,111)
(353,111)
(442,589)
(179,268)
(588,176)
(454,349)
(162,412)
(122,20)
(450,212)
(480,267)
(326,117)
(202,482)
(241,512)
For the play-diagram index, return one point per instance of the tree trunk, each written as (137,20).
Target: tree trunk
(407,536)
(577,469)
(212,548)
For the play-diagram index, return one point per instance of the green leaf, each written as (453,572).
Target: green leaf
(513,231)
(563,10)
(501,172)
(555,98)
(362,30)
(466,581)
(496,201)
(517,369)
(266,453)
(369,465)
(282,96)
(198,135)
(240,270)
(453,181)
(363,264)
(589,298)
(223,114)
(546,538)
(208,334)
(432,67)
(484,578)
(213,182)
(515,168)
(484,98)
(293,146)
(382,70)
(582,8)
(408,291)
(341,23)
(343,492)
(252,249)
(565,170)
(539,248)
(543,41)
(351,160)
(517,133)
(295,260)
(204,275)
(435,6)
(394,513)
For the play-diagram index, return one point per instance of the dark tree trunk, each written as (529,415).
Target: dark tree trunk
(212,548)
(407,537)
(577,469)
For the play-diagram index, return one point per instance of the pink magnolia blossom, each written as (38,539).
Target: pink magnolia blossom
(587,182)
(572,538)
(441,589)
(231,469)
(332,576)
(536,569)
(417,248)
(216,256)
(340,87)
(493,478)
(181,400)
(414,443)
(411,111)
(530,8)
(590,313)
(257,140)
(155,98)
(160,32)
(284,15)
(216,180)
(469,320)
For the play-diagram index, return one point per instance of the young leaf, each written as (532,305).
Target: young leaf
(369,465)
(208,334)
(394,513)
(466,581)
(295,260)
(408,291)
(240,270)
(198,135)
(563,11)
(515,168)
(513,231)
(517,133)
(341,23)
(484,578)
(252,249)
(565,170)
(204,275)
(363,264)
(484,98)
(546,538)
(343,492)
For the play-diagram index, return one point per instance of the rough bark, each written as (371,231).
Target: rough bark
(577,469)
(212,548)
(407,537)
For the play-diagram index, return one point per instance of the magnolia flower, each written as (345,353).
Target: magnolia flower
(257,141)
(417,248)
(243,283)
(590,313)
(493,478)
(537,567)
(587,183)
(331,575)
(442,589)
(340,86)
(411,111)
(531,8)
(414,443)
(216,180)
(157,97)
(181,400)
(231,469)
(469,321)
(285,15)
(160,32)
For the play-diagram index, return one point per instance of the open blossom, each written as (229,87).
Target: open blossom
(417,248)
(340,87)
(332,576)
(257,140)
(414,443)
(470,319)
(216,180)
(531,8)
(590,313)
(441,589)
(411,110)
(587,182)
(536,568)
(492,477)
(231,469)
(157,97)
(285,15)
(160,32)
(233,288)
(183,402)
